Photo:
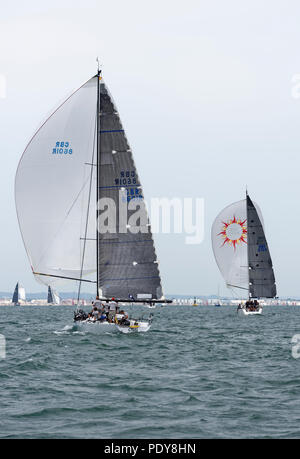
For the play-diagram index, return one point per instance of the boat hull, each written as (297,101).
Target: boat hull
(141,327)
(106,327)
(243,312)
(95,327)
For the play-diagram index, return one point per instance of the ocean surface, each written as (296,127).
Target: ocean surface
(200,372)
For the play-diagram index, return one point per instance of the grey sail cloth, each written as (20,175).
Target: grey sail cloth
(261,274)
(127,264)
(52,298)
(16,297)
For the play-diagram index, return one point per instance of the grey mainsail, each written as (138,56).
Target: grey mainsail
(127,262)
(15,298)
(19,294)
(53,297)
(261,274)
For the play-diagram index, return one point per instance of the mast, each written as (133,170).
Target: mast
(248,245)
(98,162)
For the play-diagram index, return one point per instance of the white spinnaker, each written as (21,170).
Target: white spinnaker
(52,189)
(232,257)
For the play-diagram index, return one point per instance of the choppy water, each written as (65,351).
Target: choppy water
(198,373)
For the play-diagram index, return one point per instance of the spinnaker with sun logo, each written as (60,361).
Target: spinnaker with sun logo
(241,250)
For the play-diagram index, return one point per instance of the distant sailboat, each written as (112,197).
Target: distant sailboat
(218,303)
(53,297)
(242,253)
(19,295)
(75,166)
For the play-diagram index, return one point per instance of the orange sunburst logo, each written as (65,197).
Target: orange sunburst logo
(234,232)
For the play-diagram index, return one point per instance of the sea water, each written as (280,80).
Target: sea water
(200,372)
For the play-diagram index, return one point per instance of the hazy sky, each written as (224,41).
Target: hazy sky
(204,90)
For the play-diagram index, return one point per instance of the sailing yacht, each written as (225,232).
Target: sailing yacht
(242,253)
(218,304)
(19,296)
(80,202)
(53,297)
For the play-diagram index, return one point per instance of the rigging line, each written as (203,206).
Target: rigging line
(87,216)
(232,292)
(236,286)
(113,130)
(133,185)
(125,242)
(131,278)
(129,264)
(63,277)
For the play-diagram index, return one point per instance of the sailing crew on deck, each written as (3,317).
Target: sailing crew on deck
(102,316)
(97,303)
(124,320)
(91,318)
(95,312)
(110,314)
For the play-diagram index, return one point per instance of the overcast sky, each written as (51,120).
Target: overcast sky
(204,90)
